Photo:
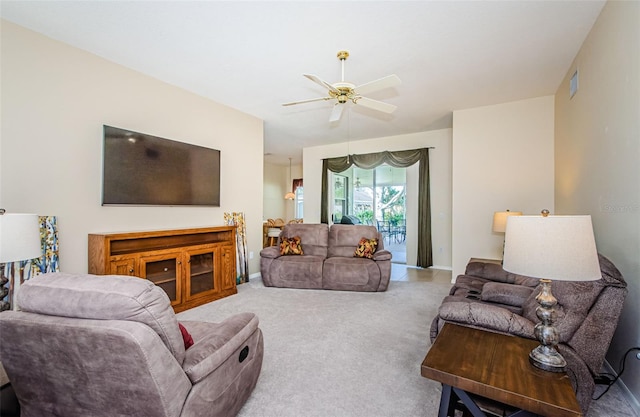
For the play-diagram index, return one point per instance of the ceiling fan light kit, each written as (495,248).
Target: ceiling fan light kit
(343,92)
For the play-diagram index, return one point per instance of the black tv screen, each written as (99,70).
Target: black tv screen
(141,169)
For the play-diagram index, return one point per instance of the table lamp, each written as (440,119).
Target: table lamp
(500,220)
(553,248)
(19,241)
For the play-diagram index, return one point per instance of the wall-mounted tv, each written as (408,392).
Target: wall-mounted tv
(141,169)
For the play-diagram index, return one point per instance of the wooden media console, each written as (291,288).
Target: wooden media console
(193,266)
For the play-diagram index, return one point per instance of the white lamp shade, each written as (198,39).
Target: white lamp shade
(559,248)
(500,220)
(19,237)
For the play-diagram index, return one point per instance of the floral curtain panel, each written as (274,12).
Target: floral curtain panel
(242,264)
(19,272)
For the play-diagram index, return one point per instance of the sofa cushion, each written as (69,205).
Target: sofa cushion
(350,274)
(486,316)
(314,237)
(303,271)
(509,294)
(291,246)
(344,238)
(366,248)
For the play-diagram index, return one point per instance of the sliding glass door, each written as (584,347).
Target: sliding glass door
(376,197)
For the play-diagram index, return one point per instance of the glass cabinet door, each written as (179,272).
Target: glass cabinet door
(164,271)
(201,273)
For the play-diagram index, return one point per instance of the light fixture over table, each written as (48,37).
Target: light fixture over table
(553,248)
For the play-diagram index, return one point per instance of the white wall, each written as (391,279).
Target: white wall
(55,99)
(440,173)
(502,159)
(598,158)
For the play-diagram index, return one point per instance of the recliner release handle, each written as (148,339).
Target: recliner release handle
(244,353)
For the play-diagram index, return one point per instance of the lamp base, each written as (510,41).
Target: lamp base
(547,358)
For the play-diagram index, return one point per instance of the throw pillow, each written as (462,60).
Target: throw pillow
(291,246)
(186,337)
(366,248)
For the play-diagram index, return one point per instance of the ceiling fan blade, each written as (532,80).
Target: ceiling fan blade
(307,101)
(336,113)
(321,82)
(376,105)
(379,84)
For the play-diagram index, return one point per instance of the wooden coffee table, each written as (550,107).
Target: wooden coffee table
(494,366)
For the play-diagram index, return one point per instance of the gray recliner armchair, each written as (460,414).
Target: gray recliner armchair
(86,345)
(490,298)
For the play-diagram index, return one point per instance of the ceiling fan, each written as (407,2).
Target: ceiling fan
(344,91)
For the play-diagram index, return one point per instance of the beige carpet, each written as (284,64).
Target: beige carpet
(334,353)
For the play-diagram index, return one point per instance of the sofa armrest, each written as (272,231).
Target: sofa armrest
(382,255)
(509,294)
(495,272)
(271,252)
(214,344)
(486,316)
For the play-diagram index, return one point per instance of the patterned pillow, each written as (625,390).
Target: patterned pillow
(366,248)
(291,246)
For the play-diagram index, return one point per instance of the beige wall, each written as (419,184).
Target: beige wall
(439,169)
(598,157)
(502,159)
(55,99)
(276,184)
(275,180)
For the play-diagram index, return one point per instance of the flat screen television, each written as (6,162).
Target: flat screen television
(141,169)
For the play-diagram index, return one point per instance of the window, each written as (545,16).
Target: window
(299,202)
(340,197)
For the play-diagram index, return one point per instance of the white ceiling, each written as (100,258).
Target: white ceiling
(449,55)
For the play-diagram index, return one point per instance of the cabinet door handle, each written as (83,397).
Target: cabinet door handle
(166,269)
(131,271)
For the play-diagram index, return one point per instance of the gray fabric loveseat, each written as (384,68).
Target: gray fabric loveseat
(86,345)
(489,298)
(328,260)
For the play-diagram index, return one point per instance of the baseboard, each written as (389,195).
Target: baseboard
(255,275)
(444,268)
(628,395)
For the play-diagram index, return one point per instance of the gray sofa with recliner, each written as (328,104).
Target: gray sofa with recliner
(328,260)
(490,298)
(86,345)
